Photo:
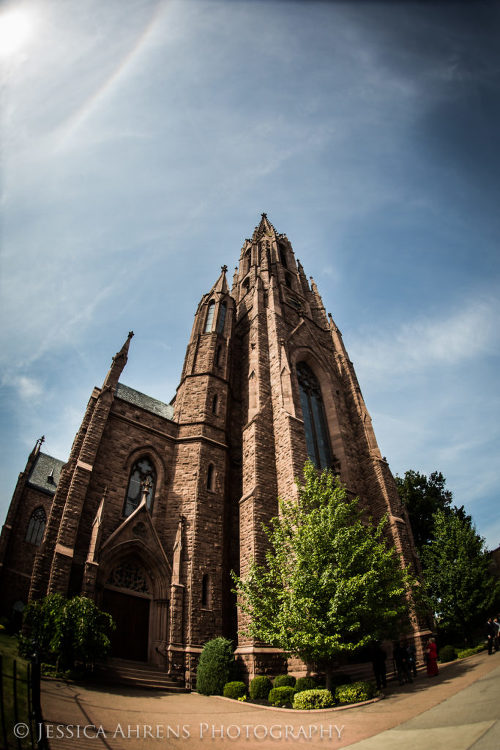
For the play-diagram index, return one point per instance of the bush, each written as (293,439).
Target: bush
(305,683)
(260,687)
(447,653)
(463,652)
(234,690)
(281,696)
(284,680)
(307,700)
(215,666)
(355,692)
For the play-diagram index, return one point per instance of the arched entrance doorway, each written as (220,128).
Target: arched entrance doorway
(127,597)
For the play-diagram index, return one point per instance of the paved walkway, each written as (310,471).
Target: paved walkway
(459,709)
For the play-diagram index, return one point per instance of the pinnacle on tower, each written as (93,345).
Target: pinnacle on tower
(118,363)
(221,284)
(264,227)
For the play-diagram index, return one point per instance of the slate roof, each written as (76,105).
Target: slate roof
(46,466)
(144,402)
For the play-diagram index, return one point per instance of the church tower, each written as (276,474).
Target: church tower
(158,503)
(299,398)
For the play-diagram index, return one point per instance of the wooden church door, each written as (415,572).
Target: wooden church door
(131,615)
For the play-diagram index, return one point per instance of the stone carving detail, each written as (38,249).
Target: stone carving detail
(129,575)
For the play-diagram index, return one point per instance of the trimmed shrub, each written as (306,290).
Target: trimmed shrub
(215,666)
(260,687)
(355,692)
(281,696)
(447,653)
(308,700)
(463,652)
(284,680)
(234,690)
(305,683)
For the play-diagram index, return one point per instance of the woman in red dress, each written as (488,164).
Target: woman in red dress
(432,666)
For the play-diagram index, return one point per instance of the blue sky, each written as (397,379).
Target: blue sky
(141,140)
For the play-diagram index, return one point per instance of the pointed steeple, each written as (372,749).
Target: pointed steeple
(221,285)
(36,450)
(118,363)
(317,306)
(264,228)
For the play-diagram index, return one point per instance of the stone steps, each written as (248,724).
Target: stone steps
(139,674)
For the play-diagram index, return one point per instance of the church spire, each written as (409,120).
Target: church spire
(264,228)
(118,363)
(221,285)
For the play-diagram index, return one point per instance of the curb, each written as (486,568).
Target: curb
(301,710)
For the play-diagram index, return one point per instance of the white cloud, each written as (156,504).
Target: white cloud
(28,388)
(428,342)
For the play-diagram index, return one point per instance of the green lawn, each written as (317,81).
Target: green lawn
(8,651)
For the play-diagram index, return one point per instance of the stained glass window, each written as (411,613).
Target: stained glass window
(142,472)
(210,317)
(36,527)
(222,318)
(313,411)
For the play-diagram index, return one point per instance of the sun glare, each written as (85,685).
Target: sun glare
(16,25)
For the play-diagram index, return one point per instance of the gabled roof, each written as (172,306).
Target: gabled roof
(45,473)
(153,405)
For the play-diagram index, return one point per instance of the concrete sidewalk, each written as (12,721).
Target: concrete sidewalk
(459,707)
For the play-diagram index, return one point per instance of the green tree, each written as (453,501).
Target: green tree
(66,632)
(82,633)
(330,583)
(460,587)
(423,496)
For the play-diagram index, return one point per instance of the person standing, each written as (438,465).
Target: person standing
(432,665)
(490,635)
(378,657)
(496,623)
(412,658)
(400,655)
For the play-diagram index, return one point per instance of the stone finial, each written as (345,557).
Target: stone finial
(145,488)
(223,269)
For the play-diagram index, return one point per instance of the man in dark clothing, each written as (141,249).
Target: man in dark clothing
(412,659)
(400,655)
(490,634)
(378,657)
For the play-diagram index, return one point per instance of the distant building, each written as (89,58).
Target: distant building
(157,502)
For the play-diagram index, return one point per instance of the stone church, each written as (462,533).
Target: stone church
(158,502)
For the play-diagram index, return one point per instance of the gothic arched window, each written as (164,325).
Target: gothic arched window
(142,471)
(215,404)
(210,317)
(210,477)
(217,355)
(36,527)
(222,317)
(317,440)
(205,591)
(282,256)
